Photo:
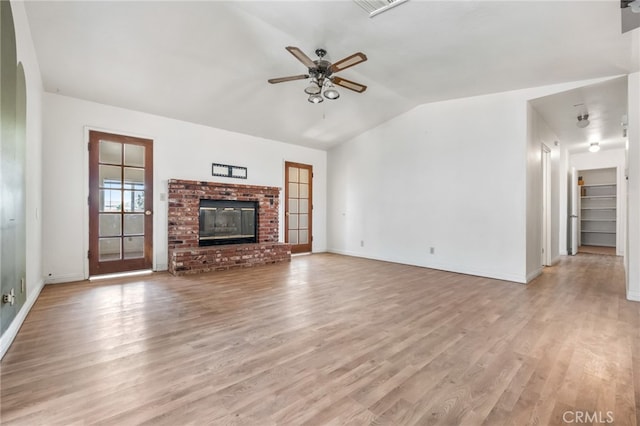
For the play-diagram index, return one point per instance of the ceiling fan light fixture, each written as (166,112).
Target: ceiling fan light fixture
(594,147)
(312,88)
(331,93)
(583,121)
(315,99)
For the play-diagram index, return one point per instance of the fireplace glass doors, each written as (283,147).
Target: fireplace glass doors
(227,222)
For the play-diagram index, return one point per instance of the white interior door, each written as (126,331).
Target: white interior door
(574,231)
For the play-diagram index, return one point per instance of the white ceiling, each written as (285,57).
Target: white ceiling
(208,62)
(606,104)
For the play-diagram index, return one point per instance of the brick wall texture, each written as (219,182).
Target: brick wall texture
(185,254)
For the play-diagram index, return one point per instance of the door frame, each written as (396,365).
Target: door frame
(573,216)
(287,164)
(85,184)
(546,206)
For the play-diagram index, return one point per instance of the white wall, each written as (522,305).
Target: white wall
(611,158)
(181,150)
(34,277)
(632,258)
(538,134)
(446,175)
(449,175)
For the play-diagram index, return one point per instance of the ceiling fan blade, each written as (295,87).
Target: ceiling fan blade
(299,54)
(283,79)
(351,85)
(348,62)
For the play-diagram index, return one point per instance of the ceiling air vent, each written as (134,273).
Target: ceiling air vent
(376,7)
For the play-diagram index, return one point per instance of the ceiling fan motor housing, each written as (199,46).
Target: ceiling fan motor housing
(322,69)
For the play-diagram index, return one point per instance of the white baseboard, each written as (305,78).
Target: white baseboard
(533,275)
(458,269)
(634,296)
(161,267)
(68,278)
(7,338)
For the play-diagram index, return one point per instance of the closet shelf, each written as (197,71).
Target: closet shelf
(597,232)
(599,184)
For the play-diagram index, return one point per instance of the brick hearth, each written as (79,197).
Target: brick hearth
(187,257)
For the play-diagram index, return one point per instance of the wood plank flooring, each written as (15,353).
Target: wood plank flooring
(611,251)
(330,340)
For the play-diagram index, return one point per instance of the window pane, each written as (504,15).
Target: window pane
(293,190)
(304,190)
(293,237)
(293,205)
(293,221)
(304,221)
(133,201)
(304,205)
(133,178)
(109,249)
(133,247)
(134,155)
(303,237)
(304,176)
(109,225)
(110,152)
(109,176)
(293,174)
(110,200)
(133,224)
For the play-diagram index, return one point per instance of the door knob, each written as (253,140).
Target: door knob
(148,213)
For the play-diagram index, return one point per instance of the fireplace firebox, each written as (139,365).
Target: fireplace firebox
(228,222)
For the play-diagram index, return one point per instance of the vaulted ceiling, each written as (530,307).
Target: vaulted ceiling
(208,62)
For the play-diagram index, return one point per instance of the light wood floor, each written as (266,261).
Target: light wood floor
(611,251)
(328,339)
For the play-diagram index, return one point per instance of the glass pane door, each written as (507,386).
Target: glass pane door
(298,192)
(120,203)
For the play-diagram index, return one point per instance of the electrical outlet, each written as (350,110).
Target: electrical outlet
(361,243)
(432,250)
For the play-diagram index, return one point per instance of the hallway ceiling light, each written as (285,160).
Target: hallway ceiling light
(583,121)
(594,147)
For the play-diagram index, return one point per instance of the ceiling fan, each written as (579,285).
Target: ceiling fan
(321,72)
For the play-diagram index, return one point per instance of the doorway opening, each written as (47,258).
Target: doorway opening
(598,212)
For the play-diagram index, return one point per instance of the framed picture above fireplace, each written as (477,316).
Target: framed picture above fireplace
(226,170)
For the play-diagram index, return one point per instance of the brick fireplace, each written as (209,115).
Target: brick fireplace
(186,256)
